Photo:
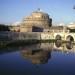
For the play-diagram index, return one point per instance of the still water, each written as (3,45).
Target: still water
(38,59)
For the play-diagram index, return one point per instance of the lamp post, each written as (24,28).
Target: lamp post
(74,7)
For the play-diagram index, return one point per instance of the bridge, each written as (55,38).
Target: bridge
(59,36)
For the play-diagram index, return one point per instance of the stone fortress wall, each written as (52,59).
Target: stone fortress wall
(18,36)
(37,35)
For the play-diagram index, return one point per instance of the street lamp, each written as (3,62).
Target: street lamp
(74,7)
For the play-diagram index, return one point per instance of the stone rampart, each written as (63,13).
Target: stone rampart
(19,35)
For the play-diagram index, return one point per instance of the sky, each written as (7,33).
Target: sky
(61,11)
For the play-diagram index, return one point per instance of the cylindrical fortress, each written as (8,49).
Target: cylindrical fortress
(37,19)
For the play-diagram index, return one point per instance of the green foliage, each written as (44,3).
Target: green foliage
(4,27)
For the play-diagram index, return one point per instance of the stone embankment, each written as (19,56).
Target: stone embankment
(25,36)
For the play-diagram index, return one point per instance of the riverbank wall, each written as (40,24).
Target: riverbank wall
(25,36)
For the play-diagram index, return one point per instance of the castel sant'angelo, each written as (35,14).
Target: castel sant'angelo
(36,22)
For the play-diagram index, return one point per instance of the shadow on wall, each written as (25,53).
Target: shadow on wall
(37,29)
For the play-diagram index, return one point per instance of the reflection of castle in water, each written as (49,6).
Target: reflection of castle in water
(40,53)
(37,56)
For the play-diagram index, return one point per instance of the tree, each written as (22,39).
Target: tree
(4,27)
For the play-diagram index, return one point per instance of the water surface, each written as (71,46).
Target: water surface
(39,59)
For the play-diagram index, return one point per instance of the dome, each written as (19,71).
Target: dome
(16,24)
